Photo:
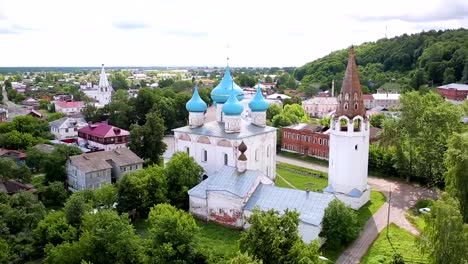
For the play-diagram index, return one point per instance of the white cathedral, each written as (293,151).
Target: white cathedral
(239,158)
(101,93)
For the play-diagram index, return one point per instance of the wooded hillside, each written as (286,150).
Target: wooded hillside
(427,58)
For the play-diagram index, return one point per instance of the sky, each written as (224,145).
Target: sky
(254,33)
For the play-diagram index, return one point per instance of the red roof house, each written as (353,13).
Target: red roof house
(104,136)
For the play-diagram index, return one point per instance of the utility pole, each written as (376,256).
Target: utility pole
(388,213)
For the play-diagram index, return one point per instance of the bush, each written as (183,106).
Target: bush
(340,224)
(54,194)
(423,203)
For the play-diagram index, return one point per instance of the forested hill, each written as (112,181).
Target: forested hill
(433,58)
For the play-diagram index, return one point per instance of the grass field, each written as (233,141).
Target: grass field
(400,241)
(219,241)
(298,180)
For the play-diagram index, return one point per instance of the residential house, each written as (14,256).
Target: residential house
(69,107)
(35,113)
(454,91)
(319,106)
(66,127)
(92,170)
(103,136)
(11,187)
(16,155)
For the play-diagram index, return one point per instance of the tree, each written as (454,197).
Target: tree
(106,238)
(420,135)
(10,170)
(172,234)
(377,120)
(75,208)
(54,229)
(183,173)
(340,224)
(17,140)
(130,190)
(445,237)
(119,81)
(54,163)
(418,79)
(456,176)
(54,116)
(156,188)
(147,140)
(273,110)
(274,238)
(54,194)
(244,258)
(35,159)
(105,196)
(268,79)
(4,252)
(449,75)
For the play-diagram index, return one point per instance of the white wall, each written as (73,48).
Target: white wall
(354,202)
(198,207)
(107,146)
(225,208)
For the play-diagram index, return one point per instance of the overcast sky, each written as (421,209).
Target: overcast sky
(197,33)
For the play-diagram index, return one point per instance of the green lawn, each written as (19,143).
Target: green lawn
(400,241)
(221,242)
(303,157)
(300,181)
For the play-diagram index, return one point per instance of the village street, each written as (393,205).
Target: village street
(403,197)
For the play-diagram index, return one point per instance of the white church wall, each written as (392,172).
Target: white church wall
(198,207)
(225,208)
(308,232)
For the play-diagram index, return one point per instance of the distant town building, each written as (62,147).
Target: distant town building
(11,187)
(92,170)
(319,106)
(454,91)
(16,155)
(385,100)
(101,93)
(35,114)
(103,136)
(66,127)
(69,107)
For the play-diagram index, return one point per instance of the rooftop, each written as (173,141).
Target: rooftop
(103,130)
(386,96)
(307,126)
(216,129)
(95,161)
(229,180)
(310,205)
(457,86)
(69,104)
(68,122)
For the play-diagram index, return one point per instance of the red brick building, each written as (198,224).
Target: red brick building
(454,91)
(306,139)
(311,139)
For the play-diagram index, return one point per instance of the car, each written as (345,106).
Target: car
(424,210)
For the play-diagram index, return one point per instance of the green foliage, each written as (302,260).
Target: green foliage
(382,159)
(291,114)
(4,252)
(54,229)
(53,194)
(172,234)
(17,140)
(105,196)
(147,140)
(10,170)
(119,81)
(54,116)
(340,224)
(377,120)
(182,173)
(75,208)
(445,237)
(53,164)
(106,238)
(273,110)
(419,136)
(245,80)
(141,190)
(424,56)
(244,258)
(456,176)
(274,239)
(309,89)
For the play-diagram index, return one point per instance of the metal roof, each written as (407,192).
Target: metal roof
(216,129)
(229,180)
(310,205)
(457,86)
(95,161)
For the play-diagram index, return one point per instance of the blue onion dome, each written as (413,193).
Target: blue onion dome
(258,103)
(196,104)
(222,91)
(232,107)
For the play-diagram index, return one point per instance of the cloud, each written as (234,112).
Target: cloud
(2,16)
(450,10)
(21,28)
(6,31)
(187,34)
(127,25)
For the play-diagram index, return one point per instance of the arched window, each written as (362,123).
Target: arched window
(225,159)
(187,150)
(345,106)
(346,97)
(355,106)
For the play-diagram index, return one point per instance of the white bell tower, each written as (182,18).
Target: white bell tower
(349,143)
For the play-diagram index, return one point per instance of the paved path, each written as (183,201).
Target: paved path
(403,197)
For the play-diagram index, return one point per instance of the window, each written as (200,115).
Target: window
(66,130)
(205,156)
(346,106)
(355,106)
(187,150)
(225,159)
(268,151)
(355,147)
(320,141)
(256,154)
